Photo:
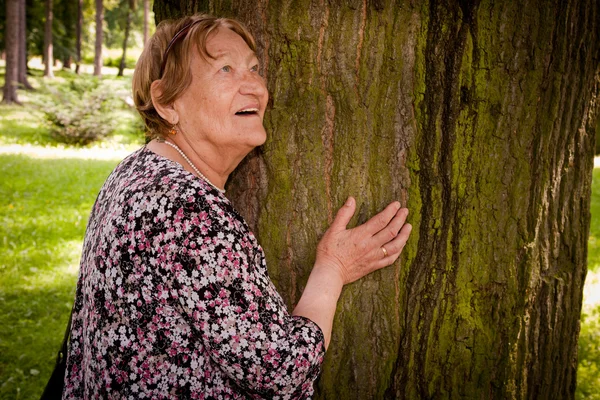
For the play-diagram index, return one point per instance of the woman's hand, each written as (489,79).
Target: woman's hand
(345,255)
(354,253)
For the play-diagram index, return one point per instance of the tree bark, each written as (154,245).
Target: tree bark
(22,71)
(477,115)
(48,50)
(12,52)
(78,28)
(98,45)
(130,11)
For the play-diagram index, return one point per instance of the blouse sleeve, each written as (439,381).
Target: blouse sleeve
(220,283)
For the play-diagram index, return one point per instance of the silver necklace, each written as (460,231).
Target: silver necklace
(200,174)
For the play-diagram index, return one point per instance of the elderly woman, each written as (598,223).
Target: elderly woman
(174,299)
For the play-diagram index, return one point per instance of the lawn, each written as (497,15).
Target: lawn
(46,193)
(44,205)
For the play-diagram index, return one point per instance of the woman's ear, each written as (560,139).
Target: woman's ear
(167,112)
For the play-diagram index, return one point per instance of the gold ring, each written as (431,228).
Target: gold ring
(384,252)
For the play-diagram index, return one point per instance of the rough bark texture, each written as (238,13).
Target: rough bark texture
(99,35)
(48,49)
(11,40)
(480,117)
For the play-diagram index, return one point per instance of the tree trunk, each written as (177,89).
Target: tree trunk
(98,46)
(12,52)
(22,71)
(48,51)
(146,20)
(478,115)
(78,28)
(126,36)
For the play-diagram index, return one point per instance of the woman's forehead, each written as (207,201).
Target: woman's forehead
(226,43)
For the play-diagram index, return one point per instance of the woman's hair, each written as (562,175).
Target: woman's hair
(174,55)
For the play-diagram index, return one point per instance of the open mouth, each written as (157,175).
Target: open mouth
(247,112)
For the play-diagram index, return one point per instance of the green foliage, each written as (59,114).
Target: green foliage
(594,240)
(130,61)
(44,110)
(588,372)
(79,113)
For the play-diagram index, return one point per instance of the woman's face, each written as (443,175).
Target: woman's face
(223,108)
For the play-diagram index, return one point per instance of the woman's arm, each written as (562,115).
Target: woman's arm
(346,255)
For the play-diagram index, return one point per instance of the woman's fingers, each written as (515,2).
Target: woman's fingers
(394,247)
(391,230)
(344,215)
(381,220)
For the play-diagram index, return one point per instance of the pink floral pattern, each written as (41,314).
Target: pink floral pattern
(174,300)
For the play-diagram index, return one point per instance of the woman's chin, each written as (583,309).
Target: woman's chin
(258,137)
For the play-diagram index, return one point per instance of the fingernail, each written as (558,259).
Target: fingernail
(349,201)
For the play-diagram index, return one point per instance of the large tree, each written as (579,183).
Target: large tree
(479,115)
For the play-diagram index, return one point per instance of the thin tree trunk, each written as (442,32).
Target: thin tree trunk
(146,21)
(126,37)
(98,46)
(12,52)
(48,50)
(78,28)
(22,72)
(477,116)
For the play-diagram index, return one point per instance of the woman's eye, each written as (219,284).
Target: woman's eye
(254,68)
(226,68)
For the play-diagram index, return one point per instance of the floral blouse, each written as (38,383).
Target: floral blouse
(174,300)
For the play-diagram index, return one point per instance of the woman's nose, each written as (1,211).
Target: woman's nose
(253,84)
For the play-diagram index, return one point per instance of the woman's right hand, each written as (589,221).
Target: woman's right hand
(354,253)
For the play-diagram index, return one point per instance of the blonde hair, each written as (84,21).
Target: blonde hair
(177,75)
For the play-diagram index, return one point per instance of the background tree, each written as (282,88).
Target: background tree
(128,18)
(475,114)
(22,45)
(65,31)
(146,20)
(78,35)
(98,43)
(48,49)
(11,39)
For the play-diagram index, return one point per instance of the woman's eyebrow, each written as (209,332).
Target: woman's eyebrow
(222,54)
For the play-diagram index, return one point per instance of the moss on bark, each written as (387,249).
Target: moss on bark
(477,114)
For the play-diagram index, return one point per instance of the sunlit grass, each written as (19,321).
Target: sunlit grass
(44,206)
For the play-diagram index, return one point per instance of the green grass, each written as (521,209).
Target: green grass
(44,206)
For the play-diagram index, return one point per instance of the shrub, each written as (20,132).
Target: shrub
(79,113)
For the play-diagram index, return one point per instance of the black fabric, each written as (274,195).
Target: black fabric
(54,387)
